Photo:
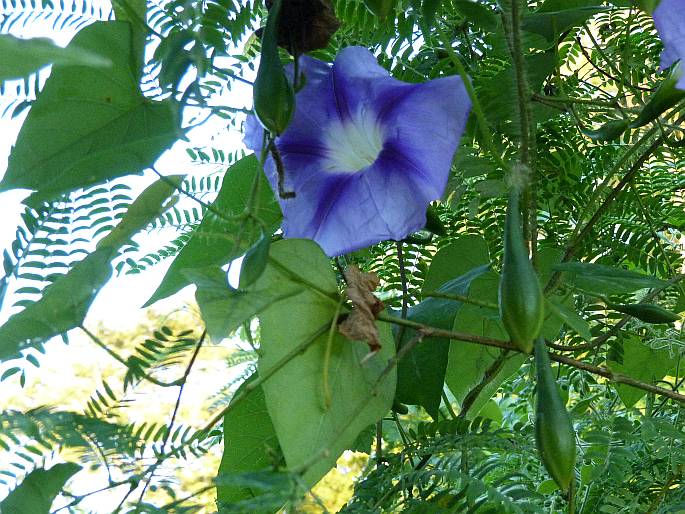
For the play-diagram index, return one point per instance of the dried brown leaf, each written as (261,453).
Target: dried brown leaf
(360,325)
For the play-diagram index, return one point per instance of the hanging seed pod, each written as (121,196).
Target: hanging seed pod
(521,303)
(554,435)
(647,312)
(273,95)
(380,8)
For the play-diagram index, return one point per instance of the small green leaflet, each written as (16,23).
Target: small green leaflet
(478,14)
(93,124)
(21,57)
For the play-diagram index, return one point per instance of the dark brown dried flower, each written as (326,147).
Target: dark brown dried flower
(305,25)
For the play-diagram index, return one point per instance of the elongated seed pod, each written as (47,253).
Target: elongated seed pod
(554,435)
(273,95)
(647,312)
(521,302)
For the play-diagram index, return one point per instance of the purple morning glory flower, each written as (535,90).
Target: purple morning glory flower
(669,19)
(365,153)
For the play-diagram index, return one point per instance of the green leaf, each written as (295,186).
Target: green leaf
(477,14)
(217,241)
(313,434)
(63,306)
(250,442)
(555,17)
(225,309)
(666,96)
(458,258)
(547,258)
(421,373)
(21,57)
(150,204)
(469,362)
(606,280)
(641,363)
(38,490)
(429,8)
(173,56)
(135,12)
(65,302)
(93,124)
(570,318)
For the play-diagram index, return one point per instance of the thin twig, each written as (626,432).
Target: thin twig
(428,332)
(123,361)
(174,414)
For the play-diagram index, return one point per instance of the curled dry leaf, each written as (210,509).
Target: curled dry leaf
(360,325)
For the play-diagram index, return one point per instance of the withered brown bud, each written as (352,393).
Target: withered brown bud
(305,25)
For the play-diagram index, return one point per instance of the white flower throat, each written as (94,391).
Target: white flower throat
(353,144)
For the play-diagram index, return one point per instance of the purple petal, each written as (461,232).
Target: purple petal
(346,212)
(426,127)
(365,153)
(669,19)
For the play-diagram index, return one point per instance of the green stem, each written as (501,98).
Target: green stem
(461,298)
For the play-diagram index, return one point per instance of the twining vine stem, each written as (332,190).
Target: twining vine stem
(528,140)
